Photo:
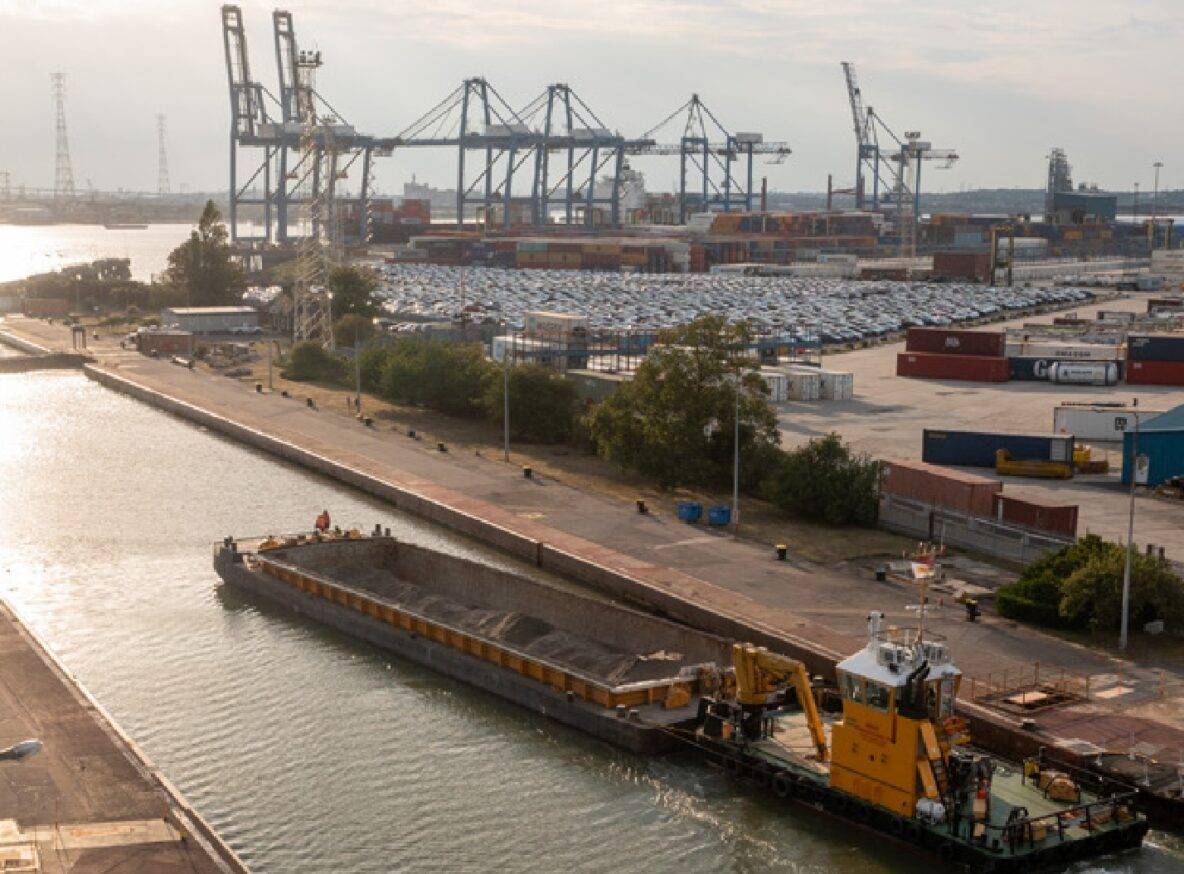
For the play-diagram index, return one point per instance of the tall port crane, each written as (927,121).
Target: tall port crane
(710,151)
(895,168)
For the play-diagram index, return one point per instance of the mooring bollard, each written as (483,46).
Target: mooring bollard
(641,508)
(782,551)
(440,447)
(411,433)
(312,405)
(527,473)
(258,388)
(284,394)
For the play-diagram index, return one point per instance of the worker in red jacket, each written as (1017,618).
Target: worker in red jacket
(323,522)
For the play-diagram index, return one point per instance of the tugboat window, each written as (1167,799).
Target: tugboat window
(853,688)
(877,695)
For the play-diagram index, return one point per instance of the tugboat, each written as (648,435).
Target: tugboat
(897,759)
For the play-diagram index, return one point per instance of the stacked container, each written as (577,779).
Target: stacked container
(978,448)
(1155,359)
(948,353)
(940,487)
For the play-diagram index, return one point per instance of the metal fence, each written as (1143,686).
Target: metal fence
(987,536)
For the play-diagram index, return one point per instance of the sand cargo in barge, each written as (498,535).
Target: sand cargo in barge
(615,673)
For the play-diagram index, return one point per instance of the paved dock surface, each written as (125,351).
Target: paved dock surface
(89,801)
(824,606)
(888,413)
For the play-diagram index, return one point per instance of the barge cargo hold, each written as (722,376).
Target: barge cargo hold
(613,672)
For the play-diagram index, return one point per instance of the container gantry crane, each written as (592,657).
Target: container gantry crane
(896,168)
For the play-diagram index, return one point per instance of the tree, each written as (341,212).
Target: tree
(542,403)
(449,377)
(675,419)
(311,362)
(351,329)
(1092,596)
(204,265)
(355,292)
(825,480)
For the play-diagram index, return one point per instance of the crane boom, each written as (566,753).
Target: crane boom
(760,673)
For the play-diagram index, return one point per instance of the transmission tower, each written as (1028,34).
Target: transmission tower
(320,247)
(162,159)
(63,174)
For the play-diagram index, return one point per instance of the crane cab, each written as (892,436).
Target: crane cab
(892,745)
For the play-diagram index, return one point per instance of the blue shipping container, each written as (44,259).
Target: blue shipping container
(978,448)
(1165,347)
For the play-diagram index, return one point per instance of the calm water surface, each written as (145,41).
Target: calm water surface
(308,751)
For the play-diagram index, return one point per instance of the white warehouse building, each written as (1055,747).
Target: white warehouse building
(211,320)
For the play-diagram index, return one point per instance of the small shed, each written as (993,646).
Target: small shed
(1161,448)
(210,320)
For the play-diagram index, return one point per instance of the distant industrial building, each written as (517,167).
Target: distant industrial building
(210,320)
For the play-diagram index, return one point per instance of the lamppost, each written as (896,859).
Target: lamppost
(1135,208)
(332,339)
(736,458)
(506,396)
(1130,537)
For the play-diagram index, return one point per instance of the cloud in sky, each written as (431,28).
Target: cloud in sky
(1000,82)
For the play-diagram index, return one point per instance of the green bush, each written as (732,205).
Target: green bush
(542,404)
(311,362)
(825,481)
(449,377)
(1080,586)
(352,329)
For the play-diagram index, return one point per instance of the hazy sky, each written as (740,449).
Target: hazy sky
(1001,82)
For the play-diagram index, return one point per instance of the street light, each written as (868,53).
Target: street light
(736,458)
(1135,208)
(1130,537)
(506,395)
(19,752)
(332,341)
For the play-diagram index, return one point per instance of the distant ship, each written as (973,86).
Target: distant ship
(124,226)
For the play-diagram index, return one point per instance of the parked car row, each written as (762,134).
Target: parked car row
(832,310)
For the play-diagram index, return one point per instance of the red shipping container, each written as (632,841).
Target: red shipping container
(969,368)
(1155,372)
(940,486)
(952,341)
(1053,518)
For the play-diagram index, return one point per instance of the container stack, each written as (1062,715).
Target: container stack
(973,495)
(1065,362)
(1155,359)
(949,353)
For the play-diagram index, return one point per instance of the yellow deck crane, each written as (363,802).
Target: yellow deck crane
(762,680)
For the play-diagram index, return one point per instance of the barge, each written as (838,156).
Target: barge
(615,673)
(892,756)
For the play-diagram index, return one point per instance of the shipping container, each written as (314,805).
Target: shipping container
(978,448)
(968,368)
(837,385)
(952,341)
(1156,347)
(1066,351)
(1097,424)
(1084,373)
(777,383)
(940,487)
(1155,372)
(1028,369)
(1051,518)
